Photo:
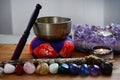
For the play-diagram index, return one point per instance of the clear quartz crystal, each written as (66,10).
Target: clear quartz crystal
(9,68)
(104,33)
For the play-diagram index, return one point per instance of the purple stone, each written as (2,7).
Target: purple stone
(94,70)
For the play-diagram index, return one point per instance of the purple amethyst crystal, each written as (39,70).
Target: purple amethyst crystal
(87,36)
(95,70)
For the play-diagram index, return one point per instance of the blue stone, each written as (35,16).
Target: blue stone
(84,70)
(63,69)
(74,69)
(94,70)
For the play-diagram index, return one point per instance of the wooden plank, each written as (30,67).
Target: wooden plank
(6,52)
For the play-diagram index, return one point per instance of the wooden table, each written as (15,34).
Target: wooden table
(6,52)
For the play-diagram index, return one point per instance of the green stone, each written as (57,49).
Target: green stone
(54,68)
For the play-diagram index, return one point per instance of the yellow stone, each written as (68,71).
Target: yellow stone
(42,69)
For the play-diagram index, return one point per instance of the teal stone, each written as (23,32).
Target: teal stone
(1,70)
(63,68)
(84,70)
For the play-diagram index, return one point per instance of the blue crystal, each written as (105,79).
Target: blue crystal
(94,70)
(84,69)
(74,69)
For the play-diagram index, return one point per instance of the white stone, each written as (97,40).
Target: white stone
(9,68)
(53,68)
(1,70)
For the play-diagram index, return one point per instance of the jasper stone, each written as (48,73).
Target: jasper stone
(9,68)
(106,68)
(84,70)
(19,69)
(53,68)
(63,69)
(42,69)
(94,70)
(74,69)
(29,67)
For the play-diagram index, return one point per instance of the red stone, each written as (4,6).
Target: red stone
(19,70)
(45,51)
(67,49)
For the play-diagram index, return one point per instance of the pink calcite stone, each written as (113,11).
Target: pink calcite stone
(29,67)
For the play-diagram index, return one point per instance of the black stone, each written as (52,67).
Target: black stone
(106,68)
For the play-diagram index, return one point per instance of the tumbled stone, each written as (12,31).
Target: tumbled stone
(53,68)
(74,69)
(94,70)
(42,69)
(84,70)
(63,69)
(1,70)
(9,68)
(29,67)
(106,68)
(19,69)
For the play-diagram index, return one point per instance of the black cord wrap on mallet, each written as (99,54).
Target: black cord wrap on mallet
(24,37)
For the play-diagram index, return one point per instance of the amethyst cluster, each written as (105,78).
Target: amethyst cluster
(88,36)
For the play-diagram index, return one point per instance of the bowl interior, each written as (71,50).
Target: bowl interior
(53,19)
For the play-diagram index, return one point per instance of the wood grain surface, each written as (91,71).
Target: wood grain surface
(6,52)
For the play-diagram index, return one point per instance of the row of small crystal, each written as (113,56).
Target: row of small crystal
(56,68)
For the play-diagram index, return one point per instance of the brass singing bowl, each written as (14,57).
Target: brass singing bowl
(52,27)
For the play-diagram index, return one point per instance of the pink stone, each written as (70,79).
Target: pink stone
(29,67)
(9,68)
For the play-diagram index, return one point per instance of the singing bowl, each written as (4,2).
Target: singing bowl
(52,27)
